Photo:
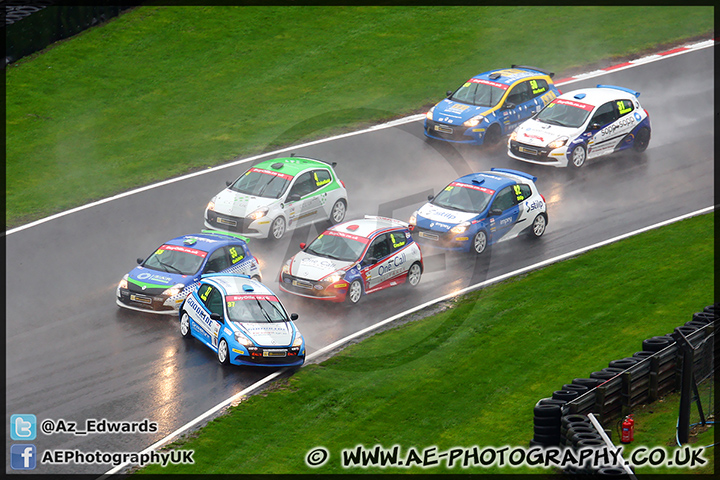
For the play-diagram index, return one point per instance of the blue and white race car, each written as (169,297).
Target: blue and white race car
(160,283)
(353,259)
(581,125)
(490,105)
(480,209)
(243,322)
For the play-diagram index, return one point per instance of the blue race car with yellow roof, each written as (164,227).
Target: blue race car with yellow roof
(160,283)
(480,209)
(490,105)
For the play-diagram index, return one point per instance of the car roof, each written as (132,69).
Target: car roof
(491,180)
(369,226)
(598,95)
(292,165)
(234,284)
(207,241)
(508,76)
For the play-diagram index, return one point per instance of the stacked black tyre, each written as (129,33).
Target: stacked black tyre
(546,424)
(578,432)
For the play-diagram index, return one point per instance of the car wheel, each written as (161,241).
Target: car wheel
(222,353)
(354,292)
(337,214)
(642,140)
(185,325)
(538,226)
(492,136)
(578,156)
(277,229)
(414,274)
(480,241)
(256,278)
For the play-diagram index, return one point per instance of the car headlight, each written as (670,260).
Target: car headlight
(243,340)
(298,340)
(334,277)
(460,228)
(429,114)
(474,121)
(211,205)
(286,267)
(259,213)
(413,219)
(558,142)
(174,290)
(124,282)
(513,135)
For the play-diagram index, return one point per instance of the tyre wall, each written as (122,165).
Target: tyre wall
(32,25)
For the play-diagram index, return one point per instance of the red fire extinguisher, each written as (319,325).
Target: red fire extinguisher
(628,430)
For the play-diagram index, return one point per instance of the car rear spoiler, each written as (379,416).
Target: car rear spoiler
(394,221)
(631,92)
(332,164)
(549,74)
(227,234)
(515,172)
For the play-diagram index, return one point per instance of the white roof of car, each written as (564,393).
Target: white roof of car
(239,285)
(365,227)
(597,96)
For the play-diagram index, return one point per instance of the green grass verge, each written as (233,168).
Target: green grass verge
(471,375)
(161,91)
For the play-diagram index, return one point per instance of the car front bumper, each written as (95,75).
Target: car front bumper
(159,304)
(442,240)
(250,228)
(538,155)
(334,292)
(454,133)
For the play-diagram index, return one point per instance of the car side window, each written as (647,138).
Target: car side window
(624,107)
(519,94)
(538,87)
(321,178)
(398,240)
(525,191)
(379,247)
(304,184)
(605,114)
(211,297)
(237,253)
(505,199)
(218,261)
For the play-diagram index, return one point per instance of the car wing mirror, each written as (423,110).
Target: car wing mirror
(216,316)
(303,245)
(448,93)
(495,212)
(228,183)
(139,261)
(293,198)
(509,106)
(430,197)
(294,316)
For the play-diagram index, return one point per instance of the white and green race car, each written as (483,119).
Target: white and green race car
(278,195)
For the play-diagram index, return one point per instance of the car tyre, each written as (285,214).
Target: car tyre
(538,226)
(480,242)
(277,229)
(642,140)
(578,156)
(256,278)
(185,325)
(492,136)
(354,292)
(337,214)
(223,354)
(414,274)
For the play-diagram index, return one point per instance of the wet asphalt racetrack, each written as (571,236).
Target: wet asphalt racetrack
(73,354)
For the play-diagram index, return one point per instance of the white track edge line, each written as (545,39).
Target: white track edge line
(350,337)
(393,123)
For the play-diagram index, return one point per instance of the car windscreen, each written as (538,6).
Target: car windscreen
(255,309)
(481,93)
(565,113)
(463,197)
(262,183)
(176,259)
(337,246)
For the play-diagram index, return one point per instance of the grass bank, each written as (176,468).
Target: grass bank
(161,91)
(471,375)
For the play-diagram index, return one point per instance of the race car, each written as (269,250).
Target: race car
(160,283)
(581,125)
(279,195)
(353,259)
(490,105)
(242,321)
(480,209)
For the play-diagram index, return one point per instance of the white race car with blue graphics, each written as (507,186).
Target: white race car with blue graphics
(160,283)
(480,209)
(243,322)
(581,125)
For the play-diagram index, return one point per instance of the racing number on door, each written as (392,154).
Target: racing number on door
(518,193)
(235,256)
(204,296)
